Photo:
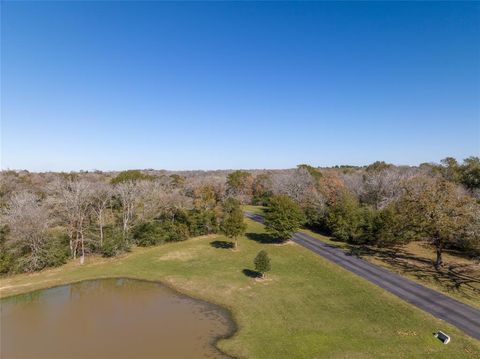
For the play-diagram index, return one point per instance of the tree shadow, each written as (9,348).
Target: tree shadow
(263,238)
(461,278)
(251,273)
(222,244)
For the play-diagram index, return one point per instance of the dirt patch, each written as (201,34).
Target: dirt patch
(407,333)
(265,280)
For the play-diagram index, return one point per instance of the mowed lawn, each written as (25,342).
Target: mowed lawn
(306,308)
(459,278)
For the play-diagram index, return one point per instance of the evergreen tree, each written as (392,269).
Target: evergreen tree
(232,224)
(262,263)
(283,217)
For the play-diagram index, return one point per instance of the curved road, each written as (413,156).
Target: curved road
(441,306)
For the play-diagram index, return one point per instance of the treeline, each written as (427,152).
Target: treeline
(48,218)
(384,205)
(75,215)
(379,205)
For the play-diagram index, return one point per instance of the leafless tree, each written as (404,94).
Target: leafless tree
(296,184)
(128,194)
(27,220)
(101,197)
(158,199)
(384,187)
(72,200)
(354,182)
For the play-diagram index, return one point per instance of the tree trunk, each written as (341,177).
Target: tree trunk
(75,246)
(236,242)
(101,235)
(82,259)
(439,260)
(125,226)
(71,245)
(100,223)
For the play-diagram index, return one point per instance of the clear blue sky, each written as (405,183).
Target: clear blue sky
(117,85)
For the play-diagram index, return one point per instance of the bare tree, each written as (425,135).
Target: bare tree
(380,187)
(100,201)
(28,221)
(297,184)
(73,201)
(128,193)
(159,198)
(354,182)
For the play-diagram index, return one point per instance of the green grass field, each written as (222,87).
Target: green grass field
(306,308)
(459,278)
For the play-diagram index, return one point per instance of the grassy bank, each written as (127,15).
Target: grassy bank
(306,308)
(459,278)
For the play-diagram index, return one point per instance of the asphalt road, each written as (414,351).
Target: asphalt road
(452,311)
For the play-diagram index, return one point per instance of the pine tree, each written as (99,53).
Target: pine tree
(262,263)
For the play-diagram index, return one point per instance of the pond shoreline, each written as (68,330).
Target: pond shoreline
(224,311)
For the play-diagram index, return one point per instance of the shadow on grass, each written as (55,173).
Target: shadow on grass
(251,273)
(222,244)
(263,238)
(454,277)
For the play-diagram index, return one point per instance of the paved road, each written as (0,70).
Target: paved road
(452,311)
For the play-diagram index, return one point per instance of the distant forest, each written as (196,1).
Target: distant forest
(48,218)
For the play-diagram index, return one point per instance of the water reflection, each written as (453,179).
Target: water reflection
(110,318)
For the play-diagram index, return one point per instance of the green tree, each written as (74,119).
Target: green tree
(470,176)
(159,231)
(7,259)
(451,169)
(130,176)
(262,263)
(202,221)
(382,227)
(345,218)
(232,223)
(378,166)
(283,217)
(435,210)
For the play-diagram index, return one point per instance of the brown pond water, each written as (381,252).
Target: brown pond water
(110,318)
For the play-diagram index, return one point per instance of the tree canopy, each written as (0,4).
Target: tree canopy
(232,223)
(438,212)
(131,175)
(283,217)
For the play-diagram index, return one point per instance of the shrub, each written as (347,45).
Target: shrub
(7,261)
(6,257)
(158,232)
(113,243)
(202,221)
(56,251)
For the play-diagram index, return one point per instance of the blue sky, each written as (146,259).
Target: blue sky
(117,85)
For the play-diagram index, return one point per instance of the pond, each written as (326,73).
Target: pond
(111,318)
